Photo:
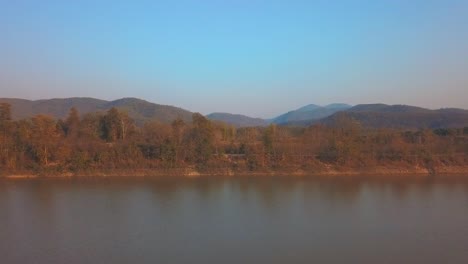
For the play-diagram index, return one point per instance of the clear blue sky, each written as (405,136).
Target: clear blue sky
(253,57)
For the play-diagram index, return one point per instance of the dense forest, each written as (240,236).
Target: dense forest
(112,141)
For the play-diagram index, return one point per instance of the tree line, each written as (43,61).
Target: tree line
(112,141)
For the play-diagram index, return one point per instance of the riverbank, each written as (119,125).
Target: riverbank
(335,171)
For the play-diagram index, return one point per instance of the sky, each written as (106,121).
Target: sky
(253,57)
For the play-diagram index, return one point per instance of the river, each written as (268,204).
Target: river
(235,220)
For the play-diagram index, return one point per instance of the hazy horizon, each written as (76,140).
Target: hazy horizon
(256,58)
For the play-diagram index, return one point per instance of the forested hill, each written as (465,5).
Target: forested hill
(140,110)
(110,141)
(400,117)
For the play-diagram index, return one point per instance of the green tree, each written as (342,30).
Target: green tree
(178,128)
(269,138)
(90,128)
(203,138)
(44,138)
(116,125)
(5,113)
(6,135)
(72,123)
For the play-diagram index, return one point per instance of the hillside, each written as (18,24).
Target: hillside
(57,108)
(308,114)
(368,115)
(140,110)
(237,120)
(143,111)
(383,108)
(401,117)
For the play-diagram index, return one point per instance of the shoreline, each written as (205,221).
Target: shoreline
(227,172)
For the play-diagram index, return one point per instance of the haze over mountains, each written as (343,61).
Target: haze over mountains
(306,114)
(368,115)
(238,120)
(309,113)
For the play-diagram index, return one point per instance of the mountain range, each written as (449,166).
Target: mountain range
(401,116)
(238,120)
(368,115)
(140,110)
(305,114)
(308,113)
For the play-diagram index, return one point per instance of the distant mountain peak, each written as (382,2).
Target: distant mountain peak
(309,113)
(338,105)
(309,107)
(398,108)
(237,119)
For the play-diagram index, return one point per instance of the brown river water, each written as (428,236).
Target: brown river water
(235,220)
